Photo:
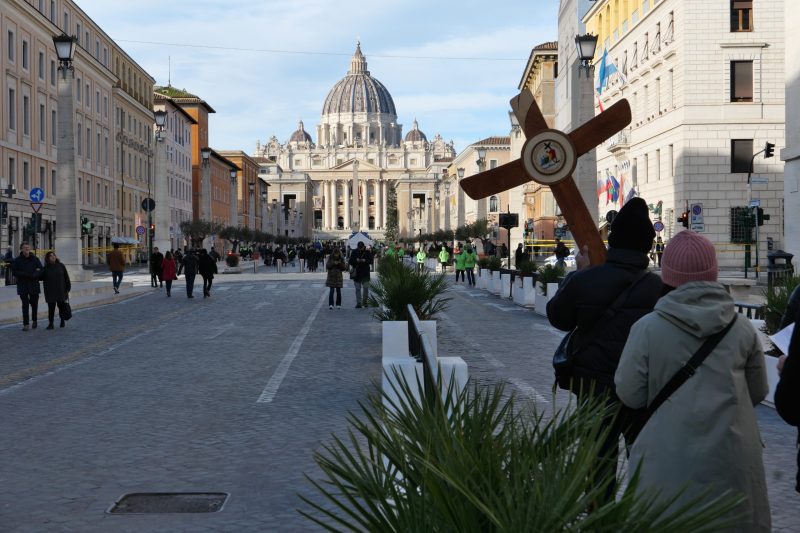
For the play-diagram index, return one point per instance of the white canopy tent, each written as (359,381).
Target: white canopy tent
(357,237)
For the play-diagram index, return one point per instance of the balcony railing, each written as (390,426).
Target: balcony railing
(620,141)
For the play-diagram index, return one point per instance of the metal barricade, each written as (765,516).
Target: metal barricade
(752,311)
(420,348)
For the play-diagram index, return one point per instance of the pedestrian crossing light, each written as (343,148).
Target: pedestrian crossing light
(760,216)
(86,226)
(769,151)
(152,230)
(684,219)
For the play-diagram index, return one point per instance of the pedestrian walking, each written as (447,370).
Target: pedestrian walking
(190,265)
(214,255)
(311,259)
(659,250)
(207,267)
(7,258)
(460,263)
(56,285)
(27,268)
(470,258)
(600,304)
(169,272)
(444,258)
(335,266)
(179,260)
(673,458)
(301,256)
(156,258)
(421,257)
(361,259)
(519,255)
(562,252)
(116,264)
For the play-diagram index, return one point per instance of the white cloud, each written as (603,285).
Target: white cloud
(257,94)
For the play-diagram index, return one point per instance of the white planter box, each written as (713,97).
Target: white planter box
(525,292)
(772,378)
(495,286)
(394,339)
(505,283)
(541,300)
(483,278)
(518,295)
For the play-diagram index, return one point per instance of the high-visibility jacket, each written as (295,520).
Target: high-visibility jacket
(444,256)
(421,257)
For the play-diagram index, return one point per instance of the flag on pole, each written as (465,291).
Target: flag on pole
(605,71)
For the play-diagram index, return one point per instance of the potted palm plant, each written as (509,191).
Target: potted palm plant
(547,280)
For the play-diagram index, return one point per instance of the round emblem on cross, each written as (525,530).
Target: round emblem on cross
(549,157)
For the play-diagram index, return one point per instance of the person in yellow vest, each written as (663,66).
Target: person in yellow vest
(421,256)
(444,257)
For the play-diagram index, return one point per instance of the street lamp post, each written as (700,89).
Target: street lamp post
(234,200)
(205,177)
(251,214)
(68,236)
(161,185)
(586,45)
(481,162)
(264,211)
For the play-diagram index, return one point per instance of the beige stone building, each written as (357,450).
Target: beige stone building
(250,189)
(341,183)
(705,81)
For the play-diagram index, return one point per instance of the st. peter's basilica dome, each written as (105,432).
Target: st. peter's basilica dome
(358,92)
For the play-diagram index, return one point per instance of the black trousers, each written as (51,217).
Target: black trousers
(338,295)
(169,285)
(189,283)
(31,300)
(470,276)
(459,273)
(207,285)
(51,310)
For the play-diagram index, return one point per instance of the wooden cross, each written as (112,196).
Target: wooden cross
(549,157)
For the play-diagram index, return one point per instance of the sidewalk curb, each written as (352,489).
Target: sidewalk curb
(112,298)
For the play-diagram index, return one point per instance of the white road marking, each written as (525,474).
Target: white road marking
(293,286)
(505,308)
(275,381)
(247,287)
(260,305)
(527,389)
(222,288)
(223,328)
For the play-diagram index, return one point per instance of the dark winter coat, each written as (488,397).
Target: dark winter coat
(583,299)
(792,309)
(787,394)
(190,264)
(155,262)
(362,267)
(28,271)
(335,267)
(207,266)
(169,270)
(55,280)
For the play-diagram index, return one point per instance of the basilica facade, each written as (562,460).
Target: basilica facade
(339,184)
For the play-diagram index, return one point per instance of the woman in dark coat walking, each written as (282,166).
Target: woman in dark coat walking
(57,285)
(335,266)
(28,270)
(208,267)
(169,272)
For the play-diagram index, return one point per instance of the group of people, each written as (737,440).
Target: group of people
(54,279)
(633,331)
(358,265)
(165,268)
(464,258)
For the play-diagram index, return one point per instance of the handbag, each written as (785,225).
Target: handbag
(353,273)
(564,356)
(65,313)
(640,417)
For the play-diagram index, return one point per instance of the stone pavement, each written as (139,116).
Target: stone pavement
(159,394)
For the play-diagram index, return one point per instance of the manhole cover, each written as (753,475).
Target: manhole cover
(170,502)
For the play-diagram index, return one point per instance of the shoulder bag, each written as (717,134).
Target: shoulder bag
(564,356)
(639,417)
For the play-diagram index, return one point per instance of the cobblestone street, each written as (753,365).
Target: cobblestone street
(233,394)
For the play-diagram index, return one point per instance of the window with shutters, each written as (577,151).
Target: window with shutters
(741,15)
(741,155)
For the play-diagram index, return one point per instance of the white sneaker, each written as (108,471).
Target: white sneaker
(338,307)
(330,307)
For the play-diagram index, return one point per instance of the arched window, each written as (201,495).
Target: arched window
(340,223)
(371,222)
(493,204)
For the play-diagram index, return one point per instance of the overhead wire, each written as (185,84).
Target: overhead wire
(319,53)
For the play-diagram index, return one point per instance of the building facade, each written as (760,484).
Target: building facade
(250,189)
(177,137)
(340,183)
(791,153)
(705,81)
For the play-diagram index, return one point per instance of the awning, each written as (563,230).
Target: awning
(123,240)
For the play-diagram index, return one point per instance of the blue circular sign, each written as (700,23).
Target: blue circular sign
(658,226)
(37,195)
(697,209)
(140,230)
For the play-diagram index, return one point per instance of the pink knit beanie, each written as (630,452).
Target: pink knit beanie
(688,256)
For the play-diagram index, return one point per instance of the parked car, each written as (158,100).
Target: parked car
(569,260)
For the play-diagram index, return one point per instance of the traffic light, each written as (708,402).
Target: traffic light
(152,230)
(684,219)
(36,222)
(86,226)
(769,151)
(760,216)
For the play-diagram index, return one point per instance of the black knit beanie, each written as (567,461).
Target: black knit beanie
(632,229)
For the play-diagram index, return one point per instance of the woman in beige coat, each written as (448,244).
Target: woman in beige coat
(705,436)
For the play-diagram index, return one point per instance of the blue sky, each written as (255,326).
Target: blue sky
(258,94)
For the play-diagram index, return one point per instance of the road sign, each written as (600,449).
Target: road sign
(699,228)
(658,226)
(37,195)
(148,204)
(755,203)
(140,230)
(697,214)
(759,180)
(36,206)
